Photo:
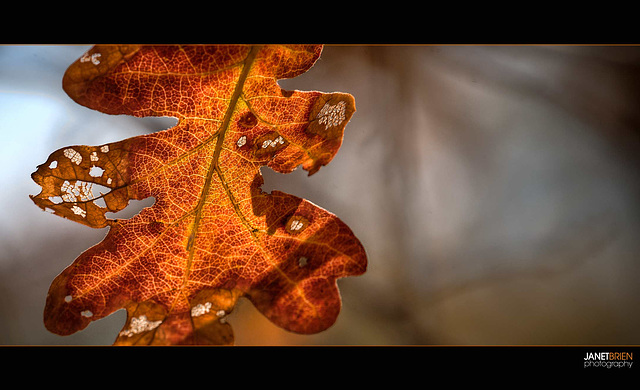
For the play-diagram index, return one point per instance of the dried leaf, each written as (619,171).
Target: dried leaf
(212,235)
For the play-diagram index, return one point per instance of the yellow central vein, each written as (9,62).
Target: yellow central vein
(214,168)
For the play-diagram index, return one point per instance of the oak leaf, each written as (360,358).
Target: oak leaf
(212,236)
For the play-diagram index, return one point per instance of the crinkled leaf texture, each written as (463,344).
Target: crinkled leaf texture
(212,235)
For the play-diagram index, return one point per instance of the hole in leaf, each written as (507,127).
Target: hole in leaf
(152,124)
(133,208)
(296,183)
(100,202)
(96,171)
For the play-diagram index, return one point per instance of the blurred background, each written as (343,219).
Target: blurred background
(494,188)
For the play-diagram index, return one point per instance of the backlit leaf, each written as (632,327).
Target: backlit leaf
(212,235)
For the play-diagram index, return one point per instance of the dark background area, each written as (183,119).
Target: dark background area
(494,188)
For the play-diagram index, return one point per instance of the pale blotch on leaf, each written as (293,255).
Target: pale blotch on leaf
(200,309)
(268,144)
(296,224)
(77,210)
(139,325)
(94,58)
(302,261)
(86,313)
(72,155)
(94,156)
(81,190)
(53,164)
(332,115)
(241,141)
(272,143)
(68,298)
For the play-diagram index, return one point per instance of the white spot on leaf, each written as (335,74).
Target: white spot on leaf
(332,115)
(53,164)
(139,325)
(241,141)
(200,309)
(72,155)
(272,143)
(94,58)
(81,191)
(77,210)
(68,298)
(86,313)
(105,149)
(302,261)
(296,225)
(94,156)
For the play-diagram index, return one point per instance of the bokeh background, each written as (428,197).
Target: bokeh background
(495,189)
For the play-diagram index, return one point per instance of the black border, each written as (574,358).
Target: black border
(320,363)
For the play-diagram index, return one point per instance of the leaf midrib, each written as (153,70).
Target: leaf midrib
(214,167)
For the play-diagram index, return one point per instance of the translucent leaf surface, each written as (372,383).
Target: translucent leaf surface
(212,235)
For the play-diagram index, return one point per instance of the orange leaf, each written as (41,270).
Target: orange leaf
(212,236)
